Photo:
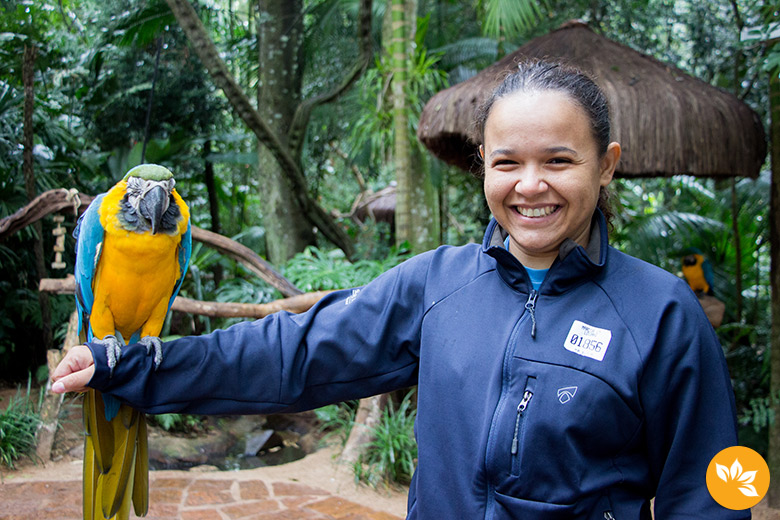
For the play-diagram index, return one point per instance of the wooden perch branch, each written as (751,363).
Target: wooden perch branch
(295,304)
(247,257)
(44,204)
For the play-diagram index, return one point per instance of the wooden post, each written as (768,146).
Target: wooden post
(50,410)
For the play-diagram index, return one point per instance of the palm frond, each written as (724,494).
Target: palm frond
(511,18)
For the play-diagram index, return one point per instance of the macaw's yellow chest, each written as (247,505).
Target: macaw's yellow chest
(135,278)
(694,274)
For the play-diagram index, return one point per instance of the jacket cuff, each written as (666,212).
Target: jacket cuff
(101,378)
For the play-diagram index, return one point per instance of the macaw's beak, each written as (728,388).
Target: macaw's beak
(153,205)
(689,260)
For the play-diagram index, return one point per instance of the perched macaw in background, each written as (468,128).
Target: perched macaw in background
(132,251)
(697,271)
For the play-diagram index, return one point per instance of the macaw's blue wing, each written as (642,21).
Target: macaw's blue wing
(709,274)
(89,235)
(185,252)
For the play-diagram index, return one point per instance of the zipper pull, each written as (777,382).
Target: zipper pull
(608,515)
(527,395)
(530,306)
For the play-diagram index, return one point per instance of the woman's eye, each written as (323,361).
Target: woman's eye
(502,162)
(560,160)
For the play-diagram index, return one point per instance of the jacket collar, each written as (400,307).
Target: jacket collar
(573,265)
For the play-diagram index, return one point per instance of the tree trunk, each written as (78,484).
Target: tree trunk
(280,77)
(417,204)
(402,153)
(368,415)
(28,73)
(204,47)
(773,495)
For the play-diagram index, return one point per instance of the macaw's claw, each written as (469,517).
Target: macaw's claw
(153,342)
(113,351)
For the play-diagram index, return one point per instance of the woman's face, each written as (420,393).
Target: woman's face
(543,172)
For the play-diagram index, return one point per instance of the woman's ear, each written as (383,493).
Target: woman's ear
(608,163)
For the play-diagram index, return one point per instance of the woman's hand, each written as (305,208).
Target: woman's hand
(74,371)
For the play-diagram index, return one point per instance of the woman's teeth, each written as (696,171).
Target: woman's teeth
(537,212)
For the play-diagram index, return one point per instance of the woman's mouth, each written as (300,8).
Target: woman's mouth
(537,212)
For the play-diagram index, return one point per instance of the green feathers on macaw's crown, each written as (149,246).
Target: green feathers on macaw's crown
(149,172)
(148,204)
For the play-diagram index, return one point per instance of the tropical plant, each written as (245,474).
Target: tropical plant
(316,270)
(179,422)
(336,420)
(392,456)
(18,426)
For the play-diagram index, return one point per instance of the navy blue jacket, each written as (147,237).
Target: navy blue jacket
(604,389)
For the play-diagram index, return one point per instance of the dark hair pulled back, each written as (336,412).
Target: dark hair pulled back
(540,75)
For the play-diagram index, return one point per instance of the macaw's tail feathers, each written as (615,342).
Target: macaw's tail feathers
(115,462)
(114,485)
(141,477)
(99,433)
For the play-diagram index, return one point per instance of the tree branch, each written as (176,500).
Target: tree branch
(204,47)
(296,304)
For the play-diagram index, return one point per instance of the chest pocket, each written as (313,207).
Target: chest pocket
(560,430)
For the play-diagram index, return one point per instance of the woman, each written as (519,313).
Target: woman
(558,378)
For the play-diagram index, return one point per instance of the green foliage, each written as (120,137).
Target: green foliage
(179,423)
(317,270)
(510,18)
(18,426)
(392,455)
(337,420)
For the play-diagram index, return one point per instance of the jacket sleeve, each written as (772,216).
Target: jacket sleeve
(689,409)
(353,343)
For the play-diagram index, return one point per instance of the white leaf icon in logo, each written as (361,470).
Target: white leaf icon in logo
(723,472)
(735,473)
(736,469)
(748,490)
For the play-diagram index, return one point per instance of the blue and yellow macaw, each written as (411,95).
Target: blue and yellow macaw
(697,271)
(133,246)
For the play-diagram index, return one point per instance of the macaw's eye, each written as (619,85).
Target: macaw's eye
(134,183)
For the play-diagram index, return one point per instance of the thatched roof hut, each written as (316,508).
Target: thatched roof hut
(666,121)
(379,206)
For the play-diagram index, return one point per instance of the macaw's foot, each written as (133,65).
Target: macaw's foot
(113,351)
(153,342)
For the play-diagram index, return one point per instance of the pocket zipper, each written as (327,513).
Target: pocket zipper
(527,395)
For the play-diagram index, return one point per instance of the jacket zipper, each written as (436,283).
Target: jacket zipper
(527,395)
(519,417)
(608,515)
(530,306)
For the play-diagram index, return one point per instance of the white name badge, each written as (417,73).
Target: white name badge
(587,340)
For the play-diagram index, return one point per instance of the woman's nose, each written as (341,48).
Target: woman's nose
(531,182)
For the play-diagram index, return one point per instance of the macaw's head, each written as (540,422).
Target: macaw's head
(692,256)
(148,196)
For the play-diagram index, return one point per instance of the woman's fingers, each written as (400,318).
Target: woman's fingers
(74,371)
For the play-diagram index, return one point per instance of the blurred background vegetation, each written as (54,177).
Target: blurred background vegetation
(101,67)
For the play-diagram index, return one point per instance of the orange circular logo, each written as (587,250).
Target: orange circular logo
(738,478)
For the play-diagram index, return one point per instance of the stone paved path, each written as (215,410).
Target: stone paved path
(191,497)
